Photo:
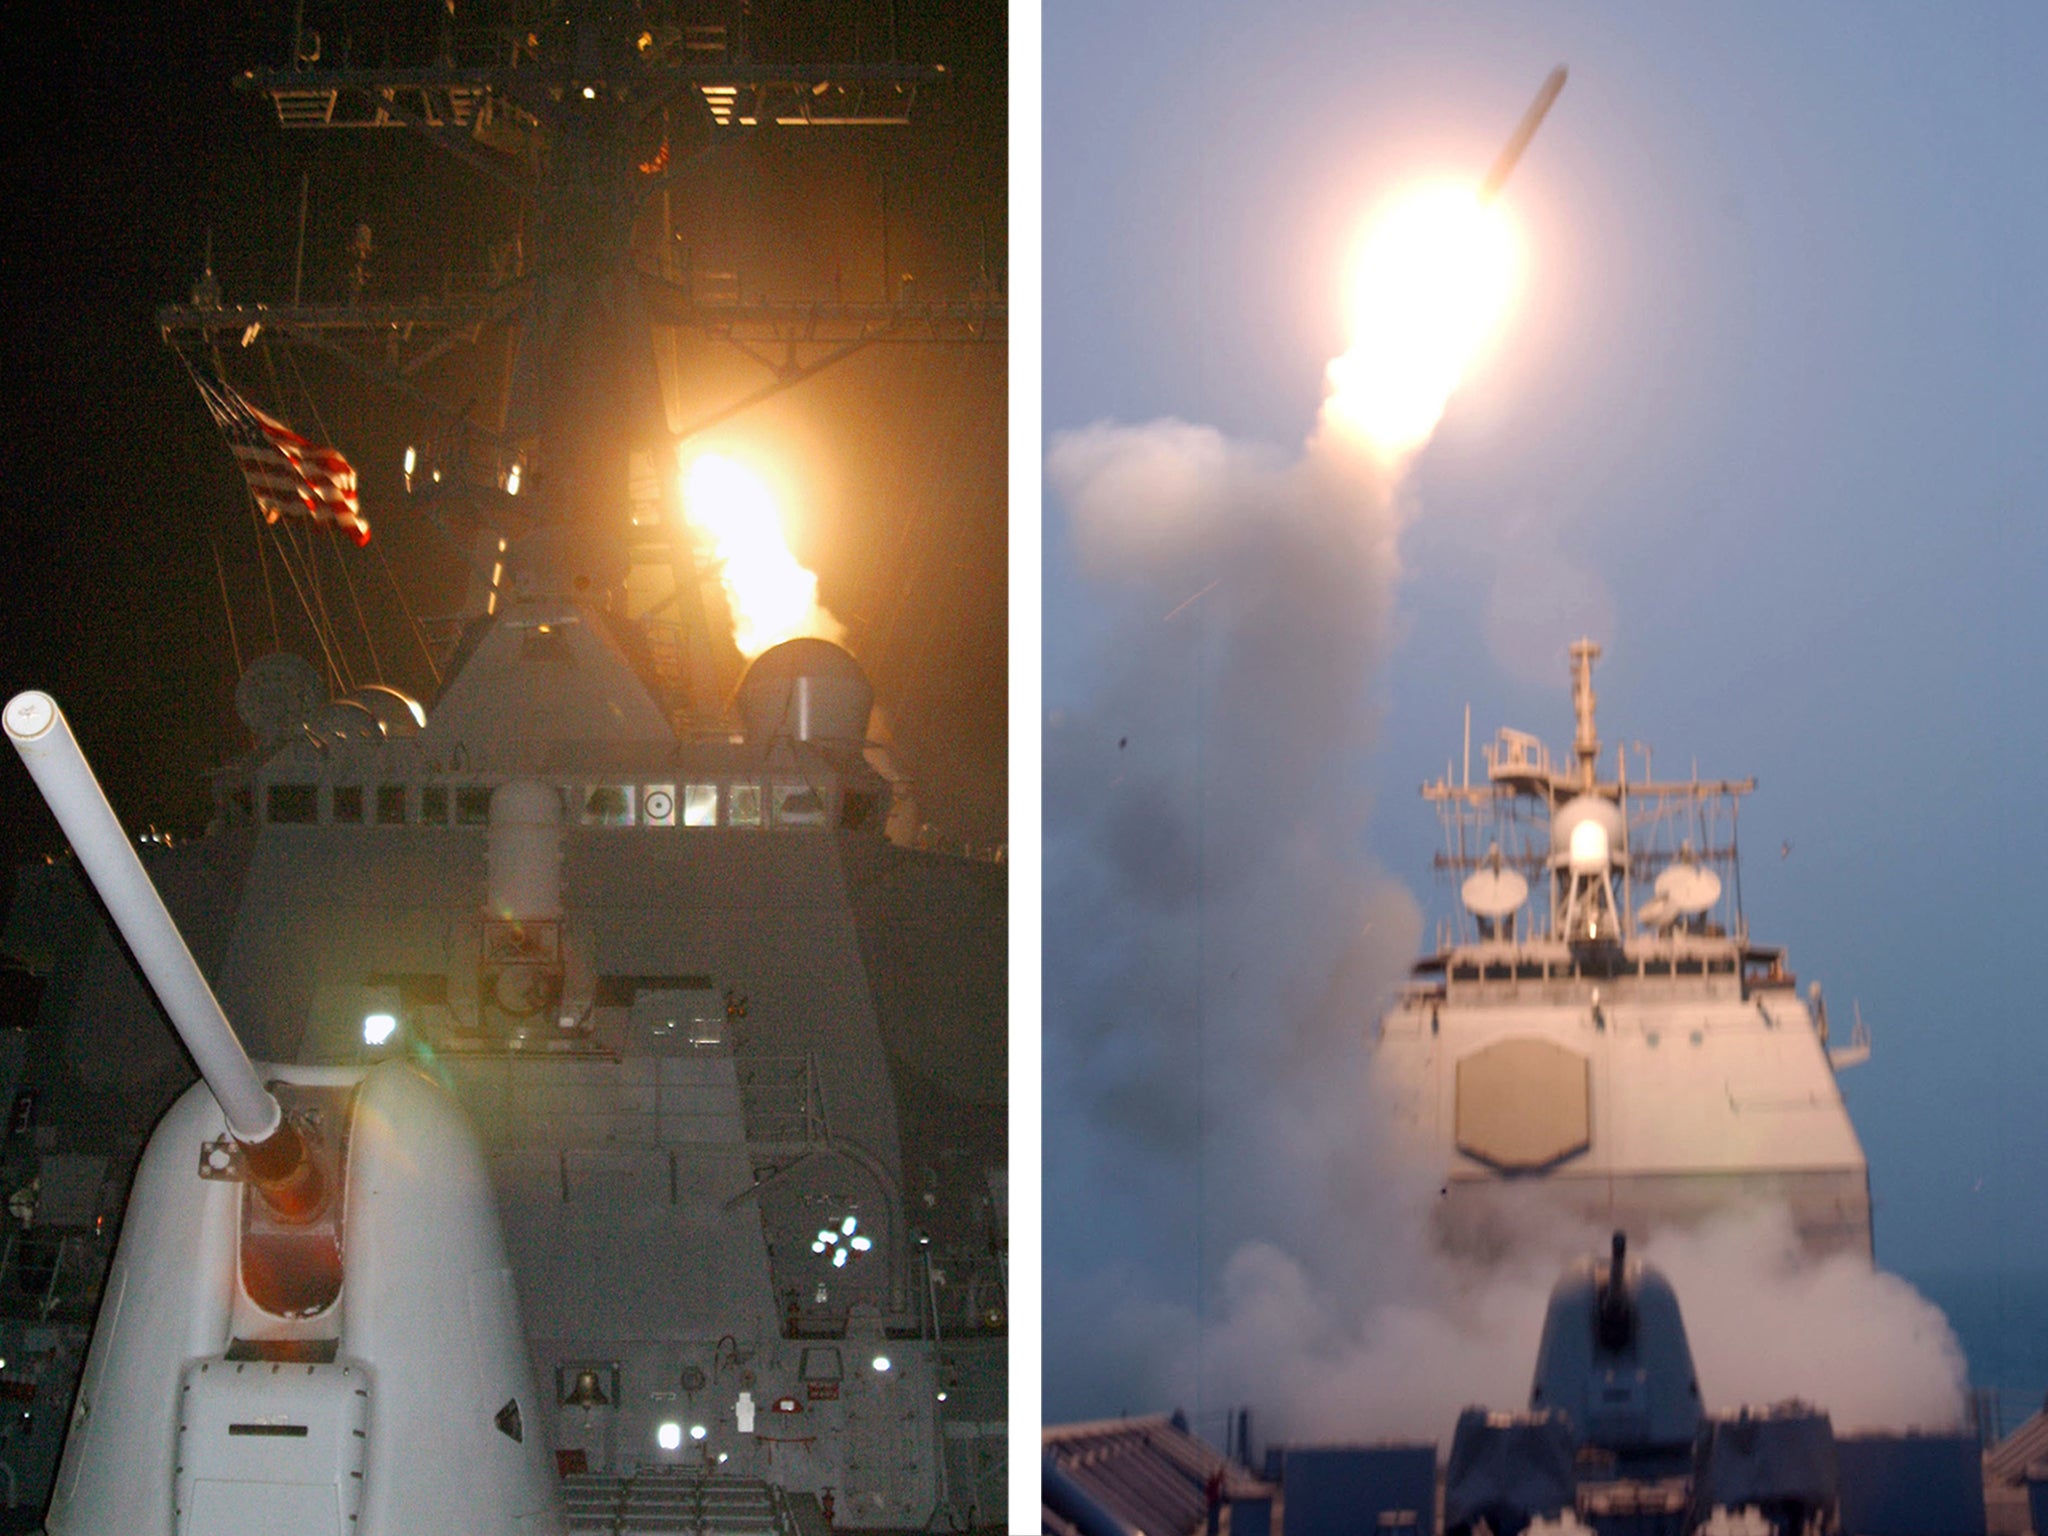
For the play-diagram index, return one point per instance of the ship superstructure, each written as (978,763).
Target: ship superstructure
(735,1050)
(1595,1027)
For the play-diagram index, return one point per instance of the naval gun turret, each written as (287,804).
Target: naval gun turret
(1614,1358)
(310,1322)
(1616,1428)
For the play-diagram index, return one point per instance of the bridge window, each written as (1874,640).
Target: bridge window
(798,805)
(700,805)
(390,805)
(743,805)
(608,805)
(658,805)
(347,804)
(434,805)
(293,803)
(473,805)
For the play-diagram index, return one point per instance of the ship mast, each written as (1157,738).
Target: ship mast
(1586,738)
(1515,814)
(586,118)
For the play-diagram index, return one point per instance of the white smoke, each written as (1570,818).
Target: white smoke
(1222,1224)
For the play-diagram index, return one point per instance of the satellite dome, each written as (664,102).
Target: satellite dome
(398,713)
(807,689)
(1587,835)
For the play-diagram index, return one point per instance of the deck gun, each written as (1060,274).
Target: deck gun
(309,1323)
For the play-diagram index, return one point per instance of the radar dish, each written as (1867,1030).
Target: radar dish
(1494,893)
(277,695)
(345,720)
(399,714)
(1687,889)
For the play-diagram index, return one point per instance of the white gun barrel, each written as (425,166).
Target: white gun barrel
(42,736)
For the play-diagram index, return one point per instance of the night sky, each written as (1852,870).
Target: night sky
(125,145)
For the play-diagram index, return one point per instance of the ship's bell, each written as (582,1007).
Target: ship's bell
(588,1393)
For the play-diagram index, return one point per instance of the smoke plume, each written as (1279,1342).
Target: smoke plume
(1223,1227)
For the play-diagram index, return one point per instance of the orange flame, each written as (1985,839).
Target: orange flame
(772,597)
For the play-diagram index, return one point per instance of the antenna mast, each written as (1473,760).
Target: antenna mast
(1586,740)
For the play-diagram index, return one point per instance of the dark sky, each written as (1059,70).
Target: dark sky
(125,145)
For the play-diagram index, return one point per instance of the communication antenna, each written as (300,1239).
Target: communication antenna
(1688,889)
(1493,893)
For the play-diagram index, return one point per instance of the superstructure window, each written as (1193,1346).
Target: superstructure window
(700,805)
(434,804)
(292,804)
(609,805)
(743,805)
(798,805)
(390,805)
(347,804)
(473,805)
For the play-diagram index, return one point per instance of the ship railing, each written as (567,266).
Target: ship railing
(53,1280)
(965,1294)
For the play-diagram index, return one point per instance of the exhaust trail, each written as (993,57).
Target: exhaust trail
(1223,1223)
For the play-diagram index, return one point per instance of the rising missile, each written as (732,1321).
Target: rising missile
(1504,164)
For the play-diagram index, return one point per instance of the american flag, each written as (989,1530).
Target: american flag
(288,474)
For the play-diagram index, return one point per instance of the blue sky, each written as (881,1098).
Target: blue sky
(1770,419)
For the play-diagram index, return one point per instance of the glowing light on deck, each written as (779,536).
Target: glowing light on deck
(1432,283)
(772,597)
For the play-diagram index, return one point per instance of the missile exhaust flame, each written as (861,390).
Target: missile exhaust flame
(1433,282)
(772,596)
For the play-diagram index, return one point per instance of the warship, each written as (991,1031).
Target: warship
(1595,1028)
(641,893)
(1594,1042)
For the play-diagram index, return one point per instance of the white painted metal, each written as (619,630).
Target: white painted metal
(525,852)
(42,736)
(1708,1082)
(428,1319)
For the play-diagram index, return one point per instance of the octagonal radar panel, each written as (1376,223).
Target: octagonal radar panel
(1686,890)
(1493,893)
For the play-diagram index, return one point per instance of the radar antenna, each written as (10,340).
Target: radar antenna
(1586,739)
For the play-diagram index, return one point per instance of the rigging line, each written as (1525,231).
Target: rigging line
(263,560)
(280,532)
(310,555)
(315,606)
(319,637)
(369,639)
(255,514)
(227,608)
(419,633)
(292,559)
(334,545)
